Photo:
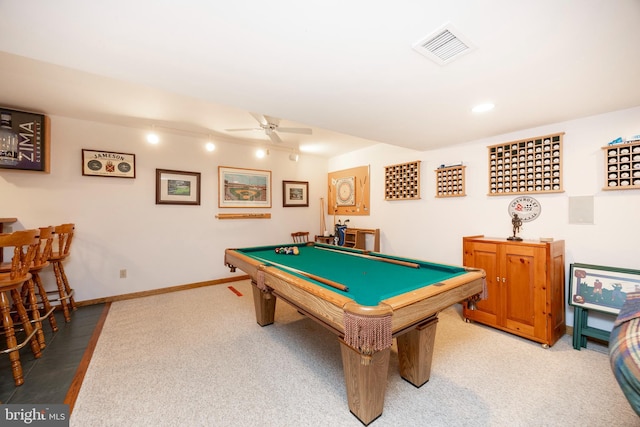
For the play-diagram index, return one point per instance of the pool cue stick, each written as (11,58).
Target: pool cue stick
(327,282)
(375,258)
(323,223)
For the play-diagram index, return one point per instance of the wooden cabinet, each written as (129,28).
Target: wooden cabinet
(525,286)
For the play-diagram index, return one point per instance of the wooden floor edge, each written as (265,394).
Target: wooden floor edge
(160,291)
(76,383)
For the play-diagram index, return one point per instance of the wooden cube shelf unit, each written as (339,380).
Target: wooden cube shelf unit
(450,181)
(526,166)
(402,182)
(622,166)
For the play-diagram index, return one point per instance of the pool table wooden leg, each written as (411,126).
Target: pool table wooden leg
(366,383)
(265,305)
(415,352)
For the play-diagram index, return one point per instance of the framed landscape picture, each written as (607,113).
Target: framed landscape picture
(295,193)
(601,288)
(177,187)
(243,188)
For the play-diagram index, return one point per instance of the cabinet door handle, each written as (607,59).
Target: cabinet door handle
(504,279)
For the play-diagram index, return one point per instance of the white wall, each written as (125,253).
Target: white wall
(118,224)
(432,228)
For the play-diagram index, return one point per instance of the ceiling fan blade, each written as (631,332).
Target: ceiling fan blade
(272,120)
(260,118)
(305,131)
(242,129)
(274,137)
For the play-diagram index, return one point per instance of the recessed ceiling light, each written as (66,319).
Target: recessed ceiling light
(483,108)
(153,138)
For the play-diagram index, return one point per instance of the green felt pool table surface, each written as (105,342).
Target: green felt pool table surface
(369,280)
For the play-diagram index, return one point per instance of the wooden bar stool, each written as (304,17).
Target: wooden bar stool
(41,308)
(25,245)
(63,236)
(45,248)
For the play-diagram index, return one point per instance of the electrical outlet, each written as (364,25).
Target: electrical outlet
(123,274)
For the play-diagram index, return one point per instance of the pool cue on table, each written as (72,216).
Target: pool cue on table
(375,258)
(327,282)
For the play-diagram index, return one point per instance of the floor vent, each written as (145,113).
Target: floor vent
(444,45)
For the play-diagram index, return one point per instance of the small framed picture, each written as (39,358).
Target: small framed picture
(177,187)
(108,164)
(295,193)
(602,288)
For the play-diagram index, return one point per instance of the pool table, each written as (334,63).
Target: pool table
(366,299)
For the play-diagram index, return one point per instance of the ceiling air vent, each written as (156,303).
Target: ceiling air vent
(444,45)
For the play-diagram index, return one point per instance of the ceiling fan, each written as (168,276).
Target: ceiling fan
(271,125)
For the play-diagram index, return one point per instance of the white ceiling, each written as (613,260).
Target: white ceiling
(345,68)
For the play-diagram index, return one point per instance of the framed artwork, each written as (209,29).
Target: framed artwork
(345,191)
(108,164)
(31,131)
(601,288)
(177,187)
(243,188)
(348,192)
(295,193)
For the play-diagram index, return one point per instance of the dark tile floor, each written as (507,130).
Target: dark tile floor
(48,378)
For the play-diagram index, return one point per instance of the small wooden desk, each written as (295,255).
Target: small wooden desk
(324,239)
(2,222)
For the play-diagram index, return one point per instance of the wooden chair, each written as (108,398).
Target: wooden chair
(63,236)
(39,263)
(300,237)
(25,245)
(41,308)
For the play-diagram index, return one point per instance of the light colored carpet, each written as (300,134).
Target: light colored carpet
(198,358)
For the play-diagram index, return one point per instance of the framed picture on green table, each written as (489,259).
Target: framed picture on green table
(177,187)
(601,288)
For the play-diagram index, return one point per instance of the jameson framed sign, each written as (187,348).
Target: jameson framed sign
(31,132)
(109,164)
